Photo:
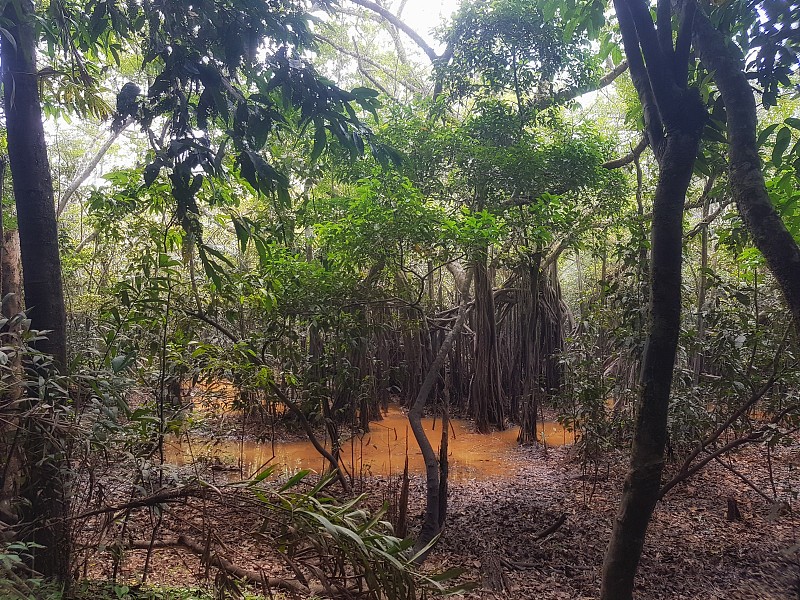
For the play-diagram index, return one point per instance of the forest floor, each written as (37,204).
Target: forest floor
(692,551)
(493,531)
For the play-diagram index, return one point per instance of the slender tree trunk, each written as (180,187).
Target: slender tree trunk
(435,504)
(431,526)
(701,295)
(44,295)
(770,235)
(11,458)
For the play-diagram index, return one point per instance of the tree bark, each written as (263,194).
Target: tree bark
(770,235)
(44,297)
(642,484)
(33,186)
(486,401)
(11,459)
(434,504)
(675,117)
(701,295)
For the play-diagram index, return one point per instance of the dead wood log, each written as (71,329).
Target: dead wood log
(492,576)
(161,497)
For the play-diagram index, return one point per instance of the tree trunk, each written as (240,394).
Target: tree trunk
(531,352)
(33,187)
(722,58)
(44,296)
(641,489)
(486,400)
(431,526)
(701,296)
(435,504)
(675,117)
(11,458)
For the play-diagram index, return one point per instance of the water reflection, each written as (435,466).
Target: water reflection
(382,451)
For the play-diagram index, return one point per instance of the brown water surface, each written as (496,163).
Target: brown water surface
(382,451)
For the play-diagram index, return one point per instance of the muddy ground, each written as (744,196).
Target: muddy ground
(494,527)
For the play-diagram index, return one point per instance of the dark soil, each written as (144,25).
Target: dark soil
(494,528)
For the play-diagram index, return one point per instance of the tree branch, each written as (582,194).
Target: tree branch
(90,167)
(631,156)
(664,23)
(683,44)
(366,60)
(572,93)
(391,18)
(213,559)
(630,40)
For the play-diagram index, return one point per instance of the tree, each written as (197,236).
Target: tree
(208,77)
(674,117)
(44,487)
(776,41)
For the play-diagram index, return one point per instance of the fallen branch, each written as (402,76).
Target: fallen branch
(162,497)
(552,528)
(219,562)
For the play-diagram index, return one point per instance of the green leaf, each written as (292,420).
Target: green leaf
(714,134)
(364,92)
(263,475)
(320,141)
(792,122)
(119,362)
(782,141)
(701,166)
(765,133)
(295,479)
(242,233)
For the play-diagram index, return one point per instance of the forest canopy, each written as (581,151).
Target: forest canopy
(339,299)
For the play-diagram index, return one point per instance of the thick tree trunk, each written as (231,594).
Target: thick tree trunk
(641,490)
(675,116)
(44,297)
(722,58)
(33,187)
(486,400)
(531,352)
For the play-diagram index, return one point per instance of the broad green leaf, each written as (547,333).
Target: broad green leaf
(782,141)
(765,133)
(295,479)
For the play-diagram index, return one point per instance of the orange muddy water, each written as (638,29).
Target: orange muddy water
(382,451)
